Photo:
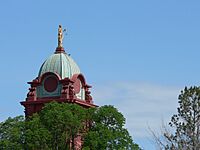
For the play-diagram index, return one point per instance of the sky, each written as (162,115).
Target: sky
(137,54)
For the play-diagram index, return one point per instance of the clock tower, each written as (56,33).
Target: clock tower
(59,79)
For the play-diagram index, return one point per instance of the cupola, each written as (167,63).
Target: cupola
(59,79)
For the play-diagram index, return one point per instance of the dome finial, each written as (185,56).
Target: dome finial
(60,36)
(60,48)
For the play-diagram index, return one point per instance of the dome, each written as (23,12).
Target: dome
(61,64)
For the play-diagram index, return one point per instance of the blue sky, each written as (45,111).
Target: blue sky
(137,55)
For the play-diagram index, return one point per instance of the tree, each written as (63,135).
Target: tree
(186,123)
(107,131)
(64,122)
(36,135)
(54,117)
(11,133)
(59,125)
(76,126)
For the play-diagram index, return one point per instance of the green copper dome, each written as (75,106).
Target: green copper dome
(60,63)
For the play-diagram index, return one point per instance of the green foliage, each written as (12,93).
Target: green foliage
(59,124)
(76,126)
(63,121)
(107,131)
(36,135)
(186,123)
(11,133)
(55,117)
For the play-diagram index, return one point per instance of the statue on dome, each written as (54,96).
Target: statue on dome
(60,36)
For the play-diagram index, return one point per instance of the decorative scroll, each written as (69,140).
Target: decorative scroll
(88,97)
(32,90)
(68,89)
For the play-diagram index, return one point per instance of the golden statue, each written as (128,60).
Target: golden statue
(60,36)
